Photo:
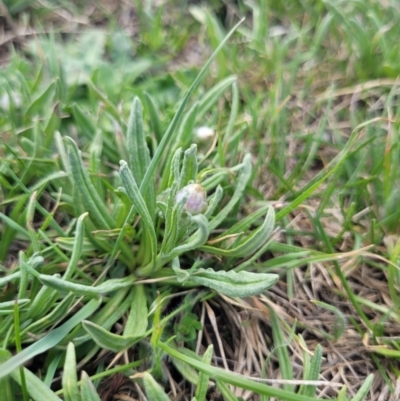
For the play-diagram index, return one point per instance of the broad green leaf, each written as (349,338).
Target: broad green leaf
(50,340)
(107,340)
(242,284)
(154,391)
(69,376)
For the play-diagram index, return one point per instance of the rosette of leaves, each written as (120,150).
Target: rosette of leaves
(181,219)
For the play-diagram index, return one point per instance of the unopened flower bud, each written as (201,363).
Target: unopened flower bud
(204,134)
(196,198)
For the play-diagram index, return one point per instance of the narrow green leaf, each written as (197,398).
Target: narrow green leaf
(313,374)
(88,391)
(69,377)
(48,341)
(186,371)
(55,359)
(198,238)
(14,225)
(17,334)
(7,392)
(280,347)
(242,284)
(107,340)
(166,139)
(234,378)
(340,321)
(56,314)
(228,135)
(226,391)
(189,166)
(24,268)
(40,103)
(214,202)
(37,390)
(324,174)
(85,124)
(342,394)
(364,389)
(34,262)
(137,322)
(154,391)
(241,183)
(139,156)
(212,96)
(81,289)
(77,250)
(252,243)
(154,115)
(202,384)
(30,214)
(10,304)
(96,207)
(138,202)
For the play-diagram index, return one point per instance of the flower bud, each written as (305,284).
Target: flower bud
(196,198)
(204,134)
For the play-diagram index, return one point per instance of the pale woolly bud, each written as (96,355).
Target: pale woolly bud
(204,134)
(196,198)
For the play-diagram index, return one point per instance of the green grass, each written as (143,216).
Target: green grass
(284,285)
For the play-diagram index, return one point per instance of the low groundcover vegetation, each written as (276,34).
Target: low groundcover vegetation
(219,230)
